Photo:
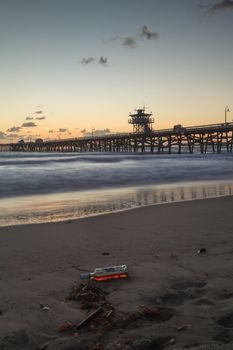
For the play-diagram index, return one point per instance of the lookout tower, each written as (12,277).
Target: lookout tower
(142,122)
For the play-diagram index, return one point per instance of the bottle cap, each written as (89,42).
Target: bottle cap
(85,276)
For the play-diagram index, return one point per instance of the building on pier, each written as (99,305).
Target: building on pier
(142,122)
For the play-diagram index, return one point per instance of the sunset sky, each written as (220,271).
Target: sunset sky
(72,65)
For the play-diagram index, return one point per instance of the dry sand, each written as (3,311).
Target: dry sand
(189,295)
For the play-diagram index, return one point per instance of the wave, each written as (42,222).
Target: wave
(62,159)
(26,174)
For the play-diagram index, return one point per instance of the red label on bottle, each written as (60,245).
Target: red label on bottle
(110,277)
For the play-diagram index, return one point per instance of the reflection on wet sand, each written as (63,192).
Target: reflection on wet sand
(74,205)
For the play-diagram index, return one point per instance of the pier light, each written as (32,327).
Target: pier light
(227,109)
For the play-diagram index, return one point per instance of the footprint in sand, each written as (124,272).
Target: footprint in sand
(226,321)
(181,293)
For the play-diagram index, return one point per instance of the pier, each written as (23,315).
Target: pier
(179,139)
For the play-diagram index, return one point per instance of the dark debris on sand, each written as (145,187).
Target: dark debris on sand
(106,327)
(88,295)
(94,332)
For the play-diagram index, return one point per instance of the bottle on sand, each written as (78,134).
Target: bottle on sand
(106,273)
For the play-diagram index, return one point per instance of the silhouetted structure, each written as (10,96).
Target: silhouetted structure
(142,122)
(201,138)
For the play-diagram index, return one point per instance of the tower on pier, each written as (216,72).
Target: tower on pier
(142,121)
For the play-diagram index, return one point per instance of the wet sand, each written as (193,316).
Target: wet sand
(174,297)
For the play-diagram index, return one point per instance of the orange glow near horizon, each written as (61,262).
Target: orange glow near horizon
(56,125)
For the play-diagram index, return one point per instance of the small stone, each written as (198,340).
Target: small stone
(172,341)
(201,251)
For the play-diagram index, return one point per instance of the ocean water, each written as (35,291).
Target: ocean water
(41,187)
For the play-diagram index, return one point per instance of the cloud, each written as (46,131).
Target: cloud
(28,125)
(87,60)
(149,35)
(222,5)
(50,131)
(38,112)
(2,135)
(63,130)
(40,118)
(33,136)
(103,61)
(129,42)
(29,118)
(14,129)
(13,136)
(132,41)
(96,132)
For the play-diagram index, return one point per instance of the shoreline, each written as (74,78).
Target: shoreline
(78,205)
(41,263)
(71,220)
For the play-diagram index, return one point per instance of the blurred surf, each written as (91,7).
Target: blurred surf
(35,173)
(41,187)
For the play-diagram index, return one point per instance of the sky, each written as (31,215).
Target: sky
(70,67)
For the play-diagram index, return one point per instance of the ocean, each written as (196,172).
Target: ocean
(42,187)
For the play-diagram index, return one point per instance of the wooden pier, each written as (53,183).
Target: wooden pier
(202,138)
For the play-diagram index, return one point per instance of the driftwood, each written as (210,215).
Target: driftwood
(89,317)
(108,314)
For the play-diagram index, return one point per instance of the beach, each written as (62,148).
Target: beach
(179,292)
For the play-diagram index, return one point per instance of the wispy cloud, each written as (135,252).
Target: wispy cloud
(29,125)
(2,135)
(14,129)
(63,130)
(90,60)
(211,9)
(13,136)
(50,131)
(146,33)
(40,118)
(38,112)
(132,41)
(29,118)
(129,42)
(95,132)
(34,136)
(222,5)
(103,61)
(87,60)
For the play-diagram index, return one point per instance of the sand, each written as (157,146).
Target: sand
(189,296)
